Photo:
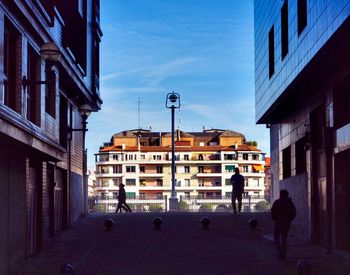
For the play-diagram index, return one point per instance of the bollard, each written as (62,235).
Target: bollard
(205,221)
(157,221)
(109,224)
(253,223)
(67,269)
(304,267)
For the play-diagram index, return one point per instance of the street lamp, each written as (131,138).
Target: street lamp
(84,111)
(173,102)
(50,53)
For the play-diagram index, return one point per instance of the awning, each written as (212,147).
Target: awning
(258,167)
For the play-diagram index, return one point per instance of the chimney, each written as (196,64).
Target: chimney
(160,138)
(178,134)
(236,145)
(138,143)
(150,128)
(203,129)
(123,146)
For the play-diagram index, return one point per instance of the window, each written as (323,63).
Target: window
(142,169)
(271,52)
(105,183)
(245,168)
(201,182)
(200,157)
(130,195)
(187,195)
(228,157)
(130,169)
(284,29)
(131,157)
(187,169)
(302,15)
(142,182)
(142,157)
(159,169)
(116,182)
(130,182)
(104,169)
(117,169)
(245,156)
(255,183)
(200,169)
(246,182)
(115,157)
(286,159)
(115,195)
(229,168)
(33,100)
(159,182)
(228,194)
(157,157)
(187,182)
(186,157)
(11,38)
(178,183)
(50,91)
(227,181)
(255,157)
(300,156)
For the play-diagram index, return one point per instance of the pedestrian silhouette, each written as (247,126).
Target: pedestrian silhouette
(237,181)
(282,212)
(122,200)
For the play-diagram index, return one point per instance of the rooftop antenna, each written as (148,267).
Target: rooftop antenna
(178,126)
(138,112)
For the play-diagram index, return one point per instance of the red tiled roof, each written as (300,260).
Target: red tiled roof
(213,148)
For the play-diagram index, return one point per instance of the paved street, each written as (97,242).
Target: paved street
(181,246)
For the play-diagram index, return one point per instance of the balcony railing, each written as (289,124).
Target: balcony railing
(160,203)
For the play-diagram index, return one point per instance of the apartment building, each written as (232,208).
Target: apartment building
(49,71)
(302,81)
(205,161)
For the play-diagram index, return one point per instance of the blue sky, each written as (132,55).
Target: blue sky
(201,49)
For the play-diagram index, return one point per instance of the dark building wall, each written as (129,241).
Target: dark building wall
(13,209)
(323,19)
(35,155)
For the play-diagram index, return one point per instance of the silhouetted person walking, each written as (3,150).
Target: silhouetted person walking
(282,212)
(237,181)
(122,200)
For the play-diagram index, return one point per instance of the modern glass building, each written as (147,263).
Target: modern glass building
(302,79)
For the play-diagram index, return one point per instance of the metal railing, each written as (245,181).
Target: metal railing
(159,203)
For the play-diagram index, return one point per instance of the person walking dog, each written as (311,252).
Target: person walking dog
(122,200)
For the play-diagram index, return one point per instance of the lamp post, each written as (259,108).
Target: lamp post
(173,102)
(84,111)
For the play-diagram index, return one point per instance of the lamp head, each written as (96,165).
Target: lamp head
(173,97)
(85,110)
(50,52)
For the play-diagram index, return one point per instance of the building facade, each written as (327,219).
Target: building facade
(41,158)
(205,162)
(302,95)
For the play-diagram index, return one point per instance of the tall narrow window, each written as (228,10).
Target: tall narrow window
(284,29)
(286,159)
(50,92)
(302,15)
(271,52)
(33,91)
(11,36)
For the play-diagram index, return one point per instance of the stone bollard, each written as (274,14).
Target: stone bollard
(109,224)
(253,223)
(205,221)
(157,221)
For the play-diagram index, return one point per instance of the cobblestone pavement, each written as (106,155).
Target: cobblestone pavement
(180,246)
